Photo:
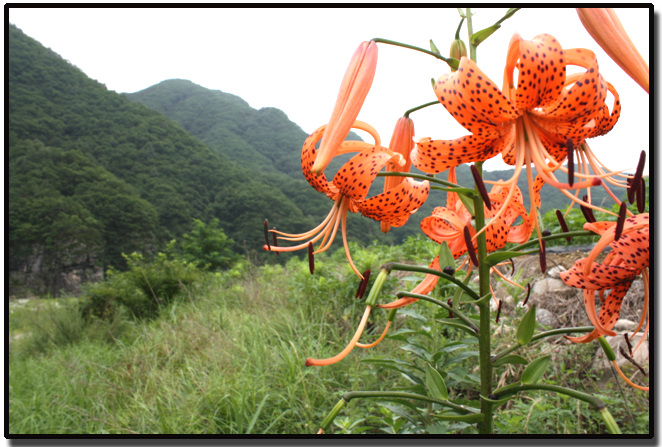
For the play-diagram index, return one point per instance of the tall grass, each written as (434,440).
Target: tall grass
(227,357)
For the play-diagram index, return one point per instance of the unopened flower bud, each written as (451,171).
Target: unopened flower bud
(458,49)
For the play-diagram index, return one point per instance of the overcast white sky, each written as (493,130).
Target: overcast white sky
(294,58)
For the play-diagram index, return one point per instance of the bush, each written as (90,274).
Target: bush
(144,289)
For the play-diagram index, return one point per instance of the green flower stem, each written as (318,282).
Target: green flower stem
(456,188)
(470,31)
(610,422)
(422,106)
(426,270)
(485,337)
(540,336)
(597,403)
(403,395)
(455,311)
(332,415)
(452,62)
(377,287)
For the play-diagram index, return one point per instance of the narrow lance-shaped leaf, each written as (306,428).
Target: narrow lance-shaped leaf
(435,383)
(535,370)
(527,326)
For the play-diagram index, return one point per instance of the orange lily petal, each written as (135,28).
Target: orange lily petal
(356,176)
(396,205)
(353,91)
(605,27)
(541,70)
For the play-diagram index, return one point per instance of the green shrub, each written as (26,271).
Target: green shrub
(144,289)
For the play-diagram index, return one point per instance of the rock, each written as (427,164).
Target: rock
(548,285)
(555,272)
(547,318)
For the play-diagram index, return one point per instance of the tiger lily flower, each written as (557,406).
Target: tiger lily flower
(606,29)
(628,258)
(349,189)
(447,224)
(535,122)
(353,91)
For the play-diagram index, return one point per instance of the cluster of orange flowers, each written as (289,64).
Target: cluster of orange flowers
(540,118)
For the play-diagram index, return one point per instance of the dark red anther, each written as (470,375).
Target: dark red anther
(633,182)
(564,226)
(498,311)
(470,246)
(627,341)
(587,212)
(620,221)
(641,196)
(543,256)
(632,190)
(363,285)
(450,303)
(311,258)
(512,266)
(274,240)
(266,234)
(528,293)
(571,161)
(481,187)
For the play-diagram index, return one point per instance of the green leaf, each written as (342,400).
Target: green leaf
(468,203)
(435,383)
(496,258)
(535,370)
(478,37)
(527,326)
(434,48)
(446,256)
(513,359)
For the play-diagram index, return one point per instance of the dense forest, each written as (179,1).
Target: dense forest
(94,174)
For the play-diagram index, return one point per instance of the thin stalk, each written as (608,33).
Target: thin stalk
(455,311)
(515,388)
(536,242)
(449,60)
(456,188)
(485,332)
(403,395)
(540,336)
(429,271)
(597,403)
(422,106)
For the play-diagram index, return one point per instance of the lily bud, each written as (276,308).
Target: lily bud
(606,29)
(402,142)
(458,49)
(353,91)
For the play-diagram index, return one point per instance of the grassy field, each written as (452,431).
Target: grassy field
(227,357)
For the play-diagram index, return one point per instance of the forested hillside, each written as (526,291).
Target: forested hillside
(93,175)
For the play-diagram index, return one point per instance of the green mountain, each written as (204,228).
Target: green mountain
(93,175)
